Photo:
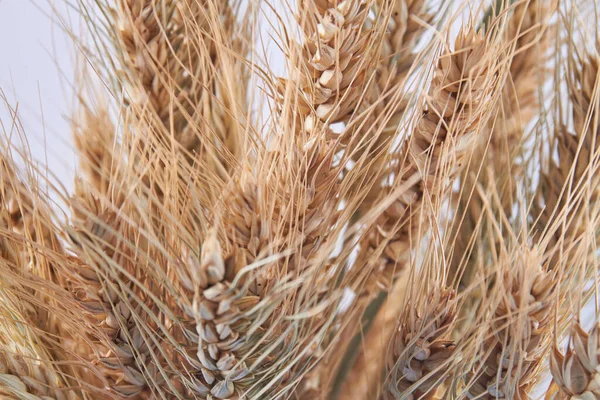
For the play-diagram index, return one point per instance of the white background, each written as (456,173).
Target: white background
(36,71)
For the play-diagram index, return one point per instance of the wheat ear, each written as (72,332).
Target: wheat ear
(176,74)
(331,66)
(521,326)
(528,36)
(379,114)
(575,372)
(422,349)
(381,118)
(26,366)
(462,88)
(443,138)
(568,189)
(27,369)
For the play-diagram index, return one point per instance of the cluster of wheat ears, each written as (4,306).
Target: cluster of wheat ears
(410,212)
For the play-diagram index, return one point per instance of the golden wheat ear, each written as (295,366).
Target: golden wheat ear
(463,84)
(528,36)
(180,70)
(37,322)
(26,369)
(422,349)
(575,372)
(521,325)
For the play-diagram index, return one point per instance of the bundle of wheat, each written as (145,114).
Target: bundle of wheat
(410,213)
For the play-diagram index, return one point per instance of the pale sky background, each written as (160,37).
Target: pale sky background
(32,45)
(30,79)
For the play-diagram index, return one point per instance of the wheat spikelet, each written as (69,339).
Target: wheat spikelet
(575,372)
(520,325)
(422,347)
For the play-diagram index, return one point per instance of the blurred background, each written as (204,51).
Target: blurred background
(36,75)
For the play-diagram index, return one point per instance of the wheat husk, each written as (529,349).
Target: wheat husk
(575,372)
